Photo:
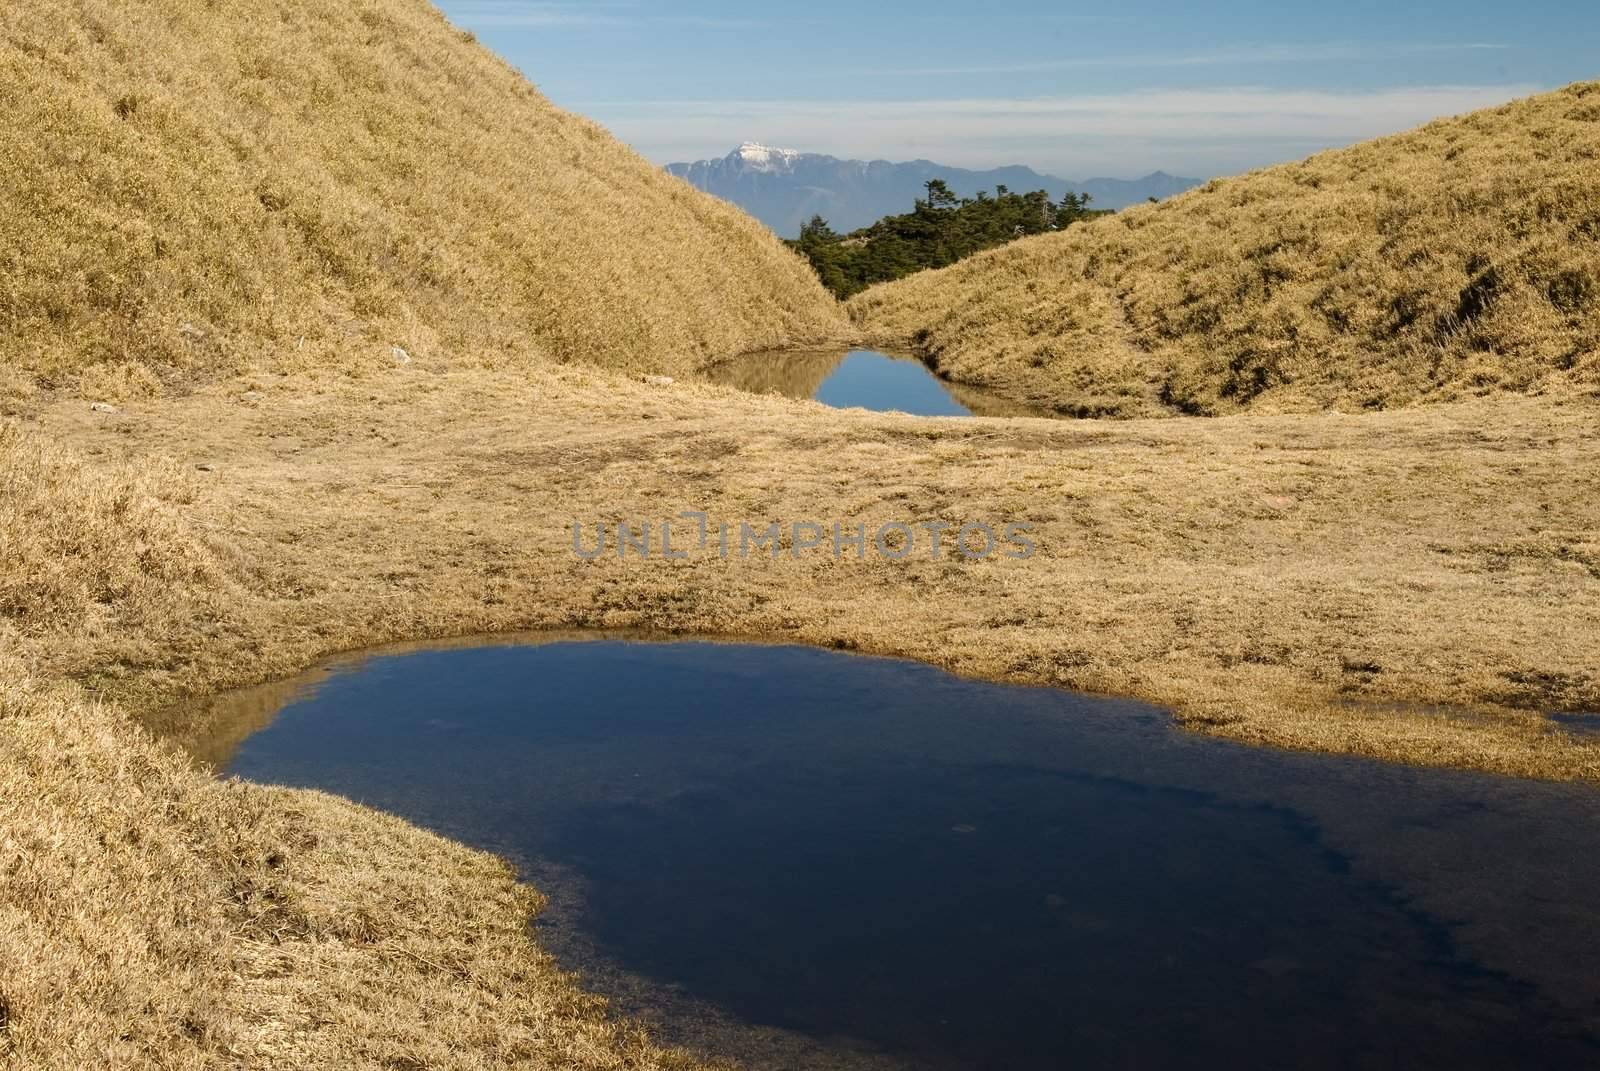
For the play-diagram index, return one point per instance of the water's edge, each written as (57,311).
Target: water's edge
(1355,833)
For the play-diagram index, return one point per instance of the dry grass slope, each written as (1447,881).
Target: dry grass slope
(191,189)
(153,916)
(1421,586)
(1460,259)
(201,186)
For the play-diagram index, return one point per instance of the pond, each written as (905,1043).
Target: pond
(861,379)
(815,859)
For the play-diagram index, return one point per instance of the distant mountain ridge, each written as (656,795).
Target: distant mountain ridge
(783,188)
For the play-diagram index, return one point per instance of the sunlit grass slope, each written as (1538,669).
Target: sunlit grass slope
(193,186)
(152,916)
(1459,259)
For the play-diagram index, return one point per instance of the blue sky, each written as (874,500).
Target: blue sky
(1075,89)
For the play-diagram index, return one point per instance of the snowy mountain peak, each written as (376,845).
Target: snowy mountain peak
(759,157)
(784,188)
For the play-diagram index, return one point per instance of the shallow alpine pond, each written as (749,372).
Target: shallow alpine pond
(805,858)
(861,379)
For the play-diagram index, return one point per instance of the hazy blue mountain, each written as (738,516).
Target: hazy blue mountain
(783,189)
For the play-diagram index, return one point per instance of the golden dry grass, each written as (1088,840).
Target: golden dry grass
(188,189)
(152,916)
(1461,259)
(1420,586)
(1257,573)
(195,186)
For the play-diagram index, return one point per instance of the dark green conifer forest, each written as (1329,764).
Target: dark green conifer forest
(940,230)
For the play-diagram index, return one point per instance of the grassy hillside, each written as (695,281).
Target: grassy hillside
(189,189)
(154,916)
(1459,259)
(1420,586)
(194,186)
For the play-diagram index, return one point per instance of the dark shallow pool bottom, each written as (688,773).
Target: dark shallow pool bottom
(899,864)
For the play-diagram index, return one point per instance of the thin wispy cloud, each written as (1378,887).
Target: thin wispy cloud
(1216,130)
(1251,55)
(1061,86)
(538,14)
(605,14)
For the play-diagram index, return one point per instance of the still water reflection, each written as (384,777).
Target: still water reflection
(864,379)
(816,859)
